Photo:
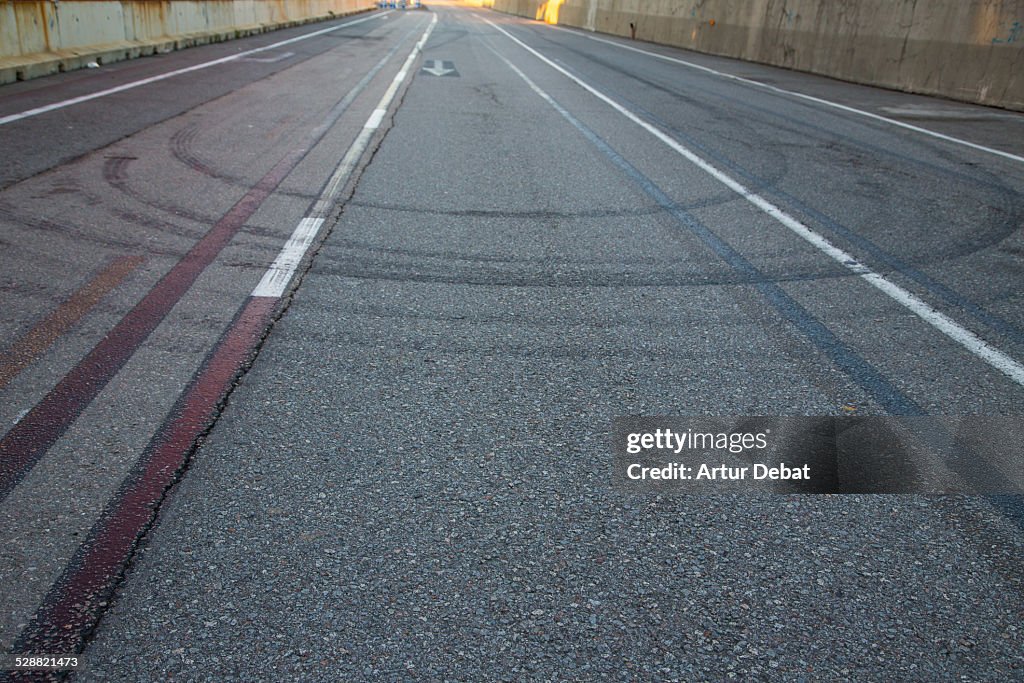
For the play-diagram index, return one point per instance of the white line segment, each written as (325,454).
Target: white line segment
(279,274)
(375,118)
(10,118)
(970,341)
(810,98)
(276,279)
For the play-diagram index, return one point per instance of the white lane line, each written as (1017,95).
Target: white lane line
(375,118)
(10,118)
(277,277)
(970,341)
(279,274)
(810,98)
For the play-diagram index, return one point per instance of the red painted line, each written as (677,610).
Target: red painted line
(72,607)
(29,440)
(34,434)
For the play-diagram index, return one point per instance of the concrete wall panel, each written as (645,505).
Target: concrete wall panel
(38,37)
(969,50)
(91,23)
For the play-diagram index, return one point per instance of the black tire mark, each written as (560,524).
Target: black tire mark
(1012,201)
(78,233)
(182,147)
(115,173)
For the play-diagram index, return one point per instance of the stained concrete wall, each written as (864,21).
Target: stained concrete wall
(971,50)
(39,37)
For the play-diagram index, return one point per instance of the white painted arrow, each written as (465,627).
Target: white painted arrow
(437,68)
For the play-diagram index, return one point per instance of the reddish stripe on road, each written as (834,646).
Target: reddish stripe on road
(34,434)
(25,350)
(72,606)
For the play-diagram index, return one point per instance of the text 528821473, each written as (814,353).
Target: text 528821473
(40,662)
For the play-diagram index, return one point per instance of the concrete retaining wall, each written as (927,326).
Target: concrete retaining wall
(971,50)
(39,37)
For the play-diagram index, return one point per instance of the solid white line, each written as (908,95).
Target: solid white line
(279,274)
(810,98)
(10,118)
(939,321)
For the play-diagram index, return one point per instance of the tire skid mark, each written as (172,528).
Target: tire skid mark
(1011,205)
(78,233)
(75,603)
(86,235)
(336,48)
(362,256)
(175,229)
(115,173)
(30,439)
(25,350)
(182,144)
(448,274)
(1012,209)
(650,210)
(181,148)
(827,138)
(893,398)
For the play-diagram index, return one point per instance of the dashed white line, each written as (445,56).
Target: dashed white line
(277,277)
(375,118)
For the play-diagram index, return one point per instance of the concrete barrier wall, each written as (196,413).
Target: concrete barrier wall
(971,50)
(39,37)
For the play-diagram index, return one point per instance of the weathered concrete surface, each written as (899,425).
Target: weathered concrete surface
(40,37)
(971,50)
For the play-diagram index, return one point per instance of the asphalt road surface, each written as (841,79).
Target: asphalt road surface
(313,343)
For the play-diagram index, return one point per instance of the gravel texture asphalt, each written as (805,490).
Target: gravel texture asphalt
(412,481)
